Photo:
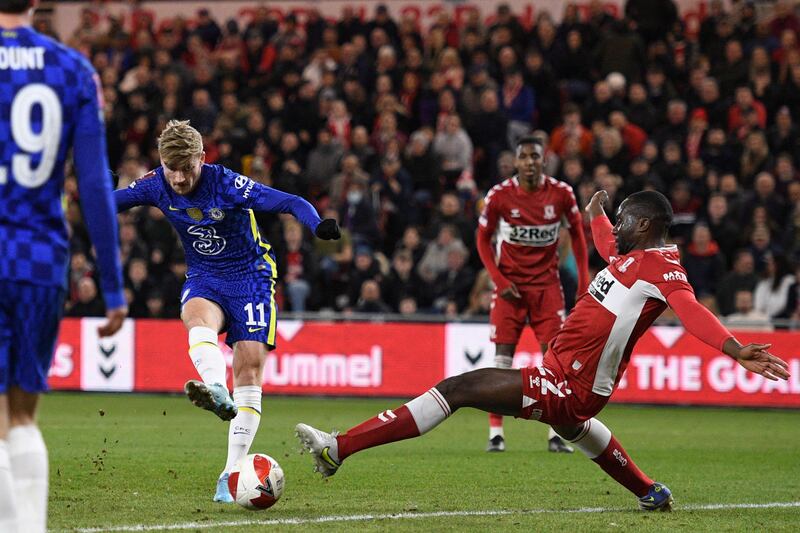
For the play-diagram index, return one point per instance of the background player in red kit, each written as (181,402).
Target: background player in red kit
(524,214)
(585,361)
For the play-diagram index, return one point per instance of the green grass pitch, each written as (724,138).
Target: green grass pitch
(136,460)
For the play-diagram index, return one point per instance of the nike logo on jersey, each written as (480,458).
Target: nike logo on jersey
(173,208)
(253,330)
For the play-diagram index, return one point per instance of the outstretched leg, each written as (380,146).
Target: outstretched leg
(595,440)
(489,389)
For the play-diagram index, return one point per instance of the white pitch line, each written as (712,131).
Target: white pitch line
(410,516)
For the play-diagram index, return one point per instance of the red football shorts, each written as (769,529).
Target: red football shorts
(542,308)
(548,396)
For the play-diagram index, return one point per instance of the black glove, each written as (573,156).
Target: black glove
(328,230)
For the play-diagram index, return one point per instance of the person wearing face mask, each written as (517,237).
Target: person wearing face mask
(357,214)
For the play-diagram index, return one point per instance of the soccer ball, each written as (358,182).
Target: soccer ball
(256,482)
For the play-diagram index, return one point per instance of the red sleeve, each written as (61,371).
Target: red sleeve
(579,248)
(698,320)
(487,223)
(602,237)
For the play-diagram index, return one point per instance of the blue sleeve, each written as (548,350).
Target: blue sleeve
(94,187)
(263,198)
(251,195)
(140,192)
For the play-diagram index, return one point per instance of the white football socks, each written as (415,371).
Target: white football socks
(206,355)
(8,503)
(244,426)
(593,439)
(428,410)
(28,455)
(496,421)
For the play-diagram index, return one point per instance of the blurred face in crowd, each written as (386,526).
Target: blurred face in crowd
(717,207)
(744,302)
(449,205)
(453,124)
(794,193)
(701,236)
(728,184)
(709,91)
(744,263)
(360,136)
(489,102)
(637,93)
(87,290)
(402,263)
(602,92)
(760,238)
(408,306)
(733,51)
(411,238)
(293,235)
(363,261)
(137,270)
(765,184)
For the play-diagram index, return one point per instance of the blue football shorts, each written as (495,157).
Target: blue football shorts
(29,320)
(248,303)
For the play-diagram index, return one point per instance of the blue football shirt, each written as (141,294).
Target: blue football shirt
(50,103)
(216,221)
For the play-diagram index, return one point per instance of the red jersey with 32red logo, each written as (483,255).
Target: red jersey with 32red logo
(526,226)
(595,344)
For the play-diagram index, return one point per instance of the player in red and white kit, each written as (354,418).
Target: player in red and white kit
(586,360)
(524,214)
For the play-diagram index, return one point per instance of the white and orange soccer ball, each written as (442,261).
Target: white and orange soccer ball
(256,482)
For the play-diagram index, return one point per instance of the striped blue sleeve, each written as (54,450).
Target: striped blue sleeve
(252,195)
(94,187)
(265,198)
(140,192)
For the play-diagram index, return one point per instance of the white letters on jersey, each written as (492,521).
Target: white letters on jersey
(207,242)
(626,304)
(539,236)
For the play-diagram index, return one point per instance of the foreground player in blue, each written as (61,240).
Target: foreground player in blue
(48,104)
(230,283)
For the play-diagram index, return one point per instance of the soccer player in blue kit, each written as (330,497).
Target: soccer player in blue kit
(48,104)
(230,282)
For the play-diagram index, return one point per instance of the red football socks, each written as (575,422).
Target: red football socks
(413,419)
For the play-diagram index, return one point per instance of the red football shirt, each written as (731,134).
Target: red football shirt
(623,300)
(525,225)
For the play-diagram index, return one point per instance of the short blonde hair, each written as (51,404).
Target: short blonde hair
(179,144)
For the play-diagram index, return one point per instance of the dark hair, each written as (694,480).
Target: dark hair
(15,6)
(782,269)
(530,139)
(652,205)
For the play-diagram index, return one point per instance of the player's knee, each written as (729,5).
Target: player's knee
(450,389)
(458,390)
(196,322)
(568,432)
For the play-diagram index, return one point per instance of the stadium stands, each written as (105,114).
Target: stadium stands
(400,132)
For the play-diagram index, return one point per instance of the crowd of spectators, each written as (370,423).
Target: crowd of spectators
(399,133)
